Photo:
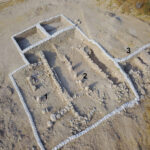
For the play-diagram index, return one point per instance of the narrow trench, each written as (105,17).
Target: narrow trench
(64,81)
(51,58)
(102,66)
(127,67)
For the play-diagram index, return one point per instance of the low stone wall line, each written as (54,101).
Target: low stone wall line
(34,129)
(116,111)
(133,54)
(46,39)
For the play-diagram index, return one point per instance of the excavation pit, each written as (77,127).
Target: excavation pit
(56,24)
(29,37)
(138,69)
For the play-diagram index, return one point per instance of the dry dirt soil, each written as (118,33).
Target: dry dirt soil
(129,130)
(138,8)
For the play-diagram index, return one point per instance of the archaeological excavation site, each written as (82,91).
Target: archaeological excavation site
(69,83)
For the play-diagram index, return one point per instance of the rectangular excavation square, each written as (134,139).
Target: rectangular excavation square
(55,24)
(138,70)
(29,37)
(69,85)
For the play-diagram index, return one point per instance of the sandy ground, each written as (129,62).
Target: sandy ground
(129,130)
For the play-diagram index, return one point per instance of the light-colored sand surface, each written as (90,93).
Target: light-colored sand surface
(126,131)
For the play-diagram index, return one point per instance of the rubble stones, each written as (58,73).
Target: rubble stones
(58,116)
(38,99)
(45,110)
(49,124)
(78,21)
(86,88)
(33,87)
(53,117)
(62,112)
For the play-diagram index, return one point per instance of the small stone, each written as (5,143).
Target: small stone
(71,123)
(45,110)
(70,104)
(38,99)
(87,50)
(81,118)
(62,112)
(30,67)
(68,108)
(84,122)
(78,21)
(76,127)
(34,65)
(74,96)
(76,114)
(85,118)
(53,117)
(28,78)
(34,80)
(142,91)
(39,63)
(86,88)
(58,116)
(49,124)
(65,110)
